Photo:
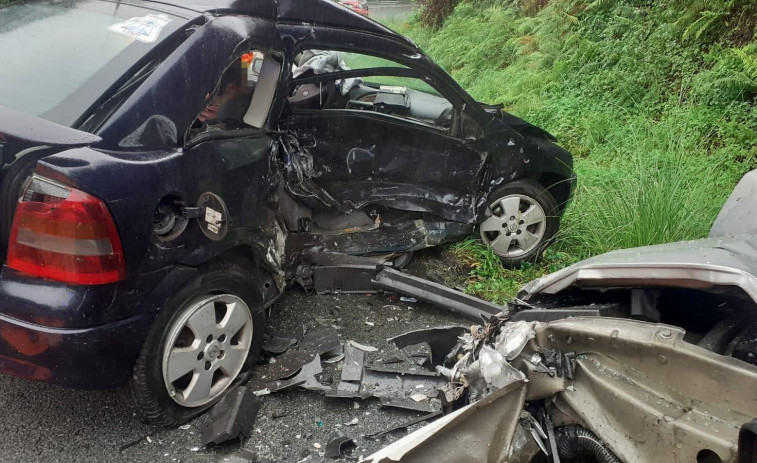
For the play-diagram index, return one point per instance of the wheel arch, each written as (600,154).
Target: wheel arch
(560,186)
(245,257)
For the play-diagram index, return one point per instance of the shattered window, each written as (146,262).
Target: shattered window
(234,103)
(377,90)
(361,61)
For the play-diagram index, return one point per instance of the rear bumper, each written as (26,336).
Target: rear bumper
(87,358)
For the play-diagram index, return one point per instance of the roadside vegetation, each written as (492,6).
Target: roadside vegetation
(656,100)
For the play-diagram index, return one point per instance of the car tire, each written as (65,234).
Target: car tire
(523,222)
(223,291)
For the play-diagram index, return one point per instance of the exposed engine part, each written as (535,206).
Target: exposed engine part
(575,444)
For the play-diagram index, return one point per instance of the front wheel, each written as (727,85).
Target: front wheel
(524,220)
(206,340)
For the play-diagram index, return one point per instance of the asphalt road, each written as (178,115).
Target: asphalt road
(51,424)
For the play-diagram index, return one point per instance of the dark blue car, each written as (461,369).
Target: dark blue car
(168,169)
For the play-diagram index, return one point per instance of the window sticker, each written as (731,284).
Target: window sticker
(145,28)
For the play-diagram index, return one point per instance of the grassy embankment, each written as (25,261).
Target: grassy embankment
(655,100)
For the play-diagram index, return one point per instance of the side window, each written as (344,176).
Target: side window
(410,98)
(242,96)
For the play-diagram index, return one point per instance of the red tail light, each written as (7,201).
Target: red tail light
(65,234)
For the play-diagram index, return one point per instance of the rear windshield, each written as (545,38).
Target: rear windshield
(53,50)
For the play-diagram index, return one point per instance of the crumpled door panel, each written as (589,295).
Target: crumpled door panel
(349,161)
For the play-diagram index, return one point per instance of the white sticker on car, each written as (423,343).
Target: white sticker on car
(144,28)
(213,219)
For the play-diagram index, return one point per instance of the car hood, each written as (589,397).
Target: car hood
(700,264)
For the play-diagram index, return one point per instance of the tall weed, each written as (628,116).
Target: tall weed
(654,99)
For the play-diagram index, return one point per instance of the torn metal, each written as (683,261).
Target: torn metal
(436,294)
(608,389)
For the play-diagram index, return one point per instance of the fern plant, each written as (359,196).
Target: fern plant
(705,19)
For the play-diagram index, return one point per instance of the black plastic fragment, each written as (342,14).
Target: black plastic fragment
(231,418)
(277,342)
(403,425)
(347,390)
(320,341)
(410,404)
(285,365)
(441,340)
(338,445)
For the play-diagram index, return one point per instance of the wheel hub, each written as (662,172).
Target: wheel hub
(516,226)
(213,351)
(206,348)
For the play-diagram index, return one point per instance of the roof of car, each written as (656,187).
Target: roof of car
(316,12)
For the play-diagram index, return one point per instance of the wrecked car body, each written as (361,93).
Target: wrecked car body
(664,370)
(162,200)
(706,286)
(587,389)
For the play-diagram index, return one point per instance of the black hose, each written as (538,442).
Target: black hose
(575,443)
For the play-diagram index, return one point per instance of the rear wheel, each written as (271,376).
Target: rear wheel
(524,220)
(206,340)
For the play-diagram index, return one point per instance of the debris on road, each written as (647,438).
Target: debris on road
(362,347)
(276,342)
(352,369)
(440,340)
(518,391)
(338,446)
(320,341)
(404,426)
(439,295)
(231,418)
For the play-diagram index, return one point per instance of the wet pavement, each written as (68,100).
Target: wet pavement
(48,423)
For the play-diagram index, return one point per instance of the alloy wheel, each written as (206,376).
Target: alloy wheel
(516,226)
(206,349)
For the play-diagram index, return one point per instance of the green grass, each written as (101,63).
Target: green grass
(361,61)
(655,102)
(490,281)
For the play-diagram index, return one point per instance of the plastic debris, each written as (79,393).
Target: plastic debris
(403,426)
(338,446)
(320,341)
(231,418)
(352,370)
(362,347)
(277,342)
